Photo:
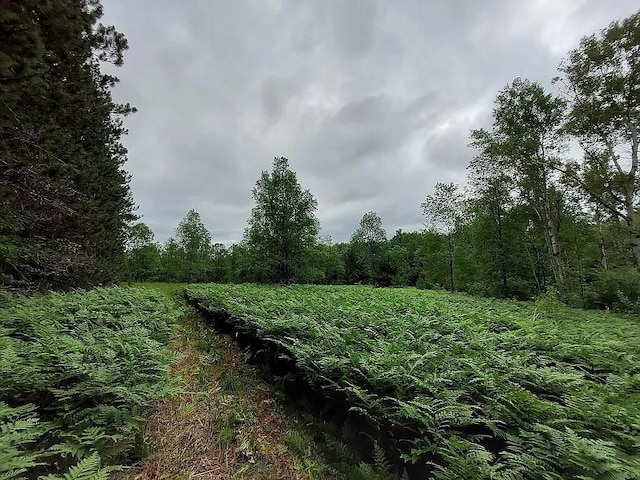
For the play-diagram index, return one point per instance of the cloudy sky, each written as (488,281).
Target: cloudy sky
(371,101)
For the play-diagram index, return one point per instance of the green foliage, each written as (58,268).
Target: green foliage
(64,196)
(87,469)
(548,302)
(481,388)
(443,211)
(78,372)
(370,230)
(618,289)
(189,257)
(142,256)
(365,259)
(194,241)
(602,84)
(19,429)
(283,226)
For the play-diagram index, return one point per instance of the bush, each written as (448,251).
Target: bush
(78,371)
(617,289)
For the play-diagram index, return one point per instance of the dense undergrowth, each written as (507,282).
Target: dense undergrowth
(77,373)
(460,386)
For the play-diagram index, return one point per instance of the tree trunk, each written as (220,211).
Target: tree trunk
(558,267)
(632,227)
(537,268)
(502,251)
(450,244)
(557,263)
(581,275)
(603,251)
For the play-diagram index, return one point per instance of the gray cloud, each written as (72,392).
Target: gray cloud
(372,101)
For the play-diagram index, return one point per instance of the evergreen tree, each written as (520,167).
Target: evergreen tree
(64,198)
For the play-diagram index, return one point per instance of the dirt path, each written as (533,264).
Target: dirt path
(231,422)
(228,423)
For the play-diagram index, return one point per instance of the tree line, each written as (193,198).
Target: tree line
(530,221)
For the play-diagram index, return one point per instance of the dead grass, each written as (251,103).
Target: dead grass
(225,425)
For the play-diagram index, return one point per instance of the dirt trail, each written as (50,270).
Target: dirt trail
(227,423)
(232,421)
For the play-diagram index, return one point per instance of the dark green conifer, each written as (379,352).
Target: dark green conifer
(64,196)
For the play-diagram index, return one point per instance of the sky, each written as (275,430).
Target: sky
(371,101)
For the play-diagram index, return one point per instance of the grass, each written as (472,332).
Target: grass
(226,423)
(466,387)
(231,420)
(171,290)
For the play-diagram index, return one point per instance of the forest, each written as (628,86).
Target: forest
(499,341)
(550,203)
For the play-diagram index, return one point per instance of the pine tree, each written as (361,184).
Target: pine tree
(64,197)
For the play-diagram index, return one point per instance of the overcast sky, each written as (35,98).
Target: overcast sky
(371,101)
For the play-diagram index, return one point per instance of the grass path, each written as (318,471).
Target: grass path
(228,422)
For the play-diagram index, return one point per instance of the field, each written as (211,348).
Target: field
(454,386)
(79,371)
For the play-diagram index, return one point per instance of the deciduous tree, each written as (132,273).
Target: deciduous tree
(443,211)
(283,226)
(528,142)
(194,241)
(602,78)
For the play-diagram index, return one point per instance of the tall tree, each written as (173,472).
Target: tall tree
(370,230)
(172,261)
(366,256)
(194,241)
(64,198)
(283,226)
(602,78)
(443,212)
(138,235)
(491,187)
(142,256)
(528,138)
(406,250)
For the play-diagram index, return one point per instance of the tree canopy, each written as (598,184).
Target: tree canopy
(602,80)
(64,197)
(283,226)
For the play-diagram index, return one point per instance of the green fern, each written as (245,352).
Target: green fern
(89,468)
(19,429)
(91,363)
(478,388)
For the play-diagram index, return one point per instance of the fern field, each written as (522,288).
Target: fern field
(458,387)
(77,373)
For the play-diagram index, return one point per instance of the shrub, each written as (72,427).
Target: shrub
(618,289)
